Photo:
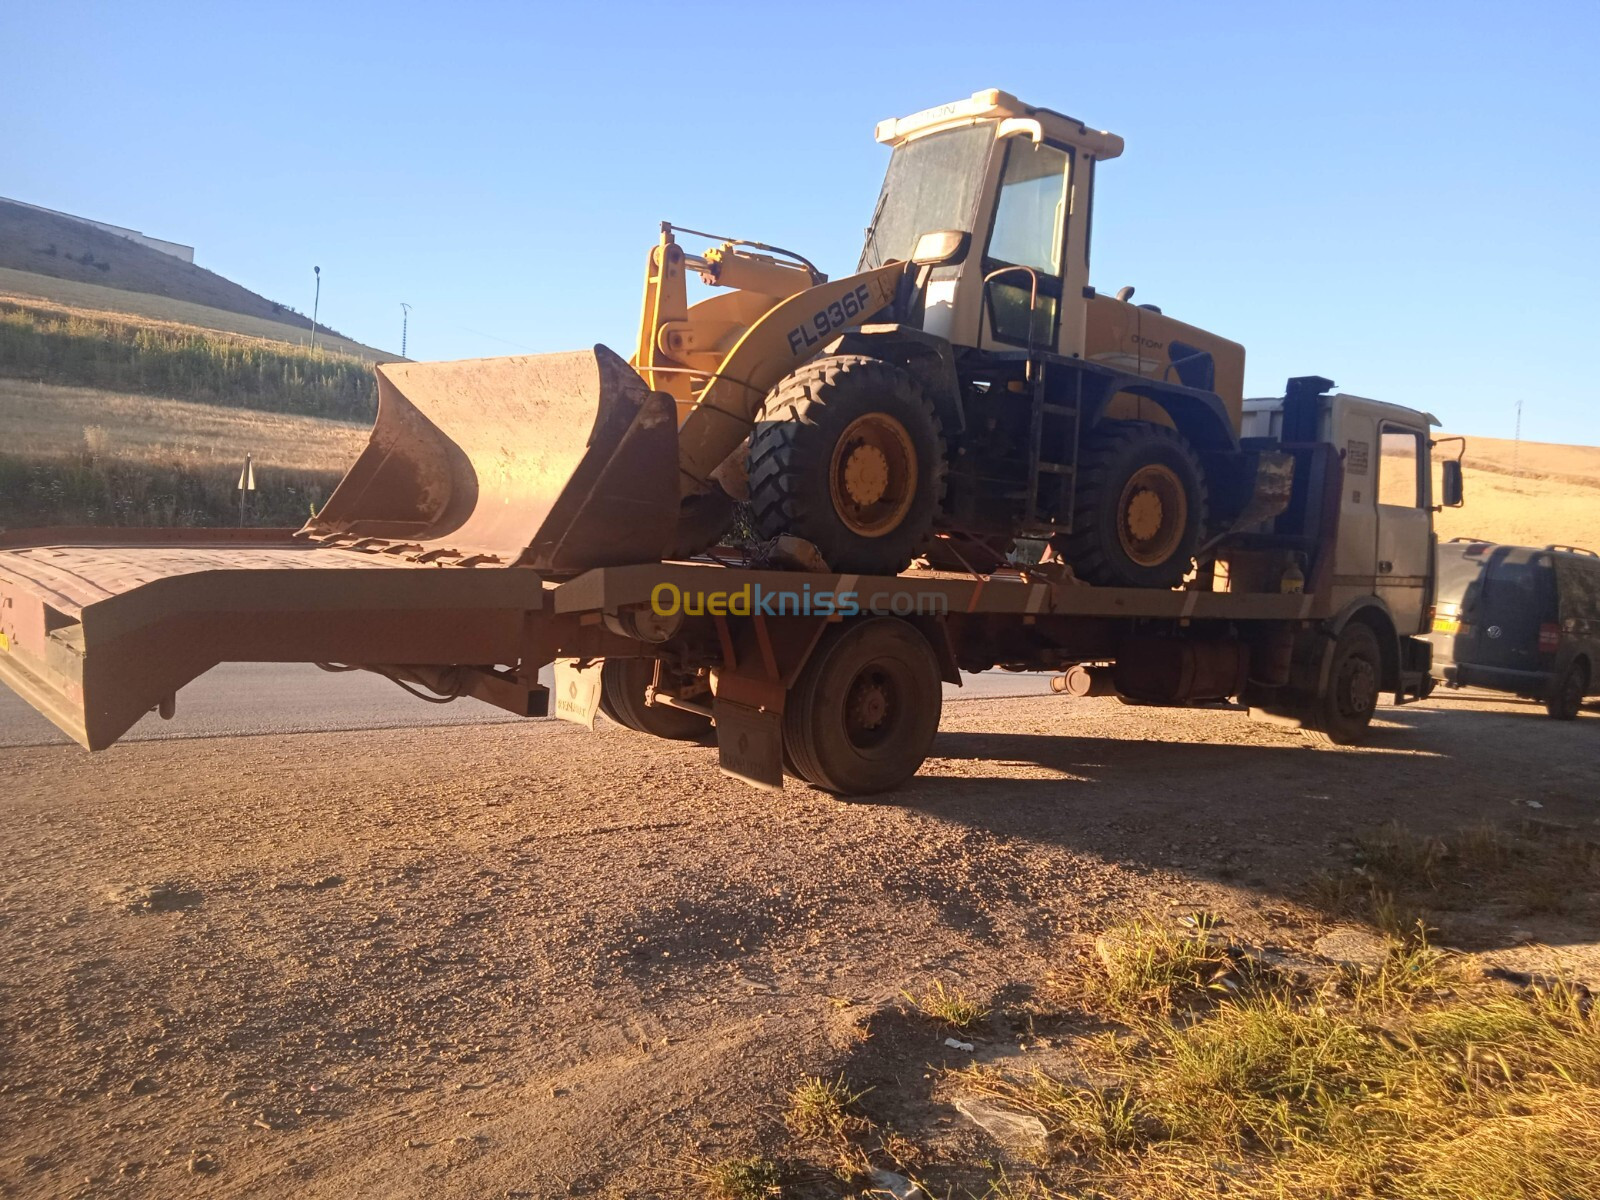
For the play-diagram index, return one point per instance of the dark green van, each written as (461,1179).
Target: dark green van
(1519,619)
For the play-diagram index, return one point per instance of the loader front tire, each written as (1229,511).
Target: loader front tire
(623,682)
(848,454)
(1140,507)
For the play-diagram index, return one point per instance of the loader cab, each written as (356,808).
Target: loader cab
(1020,180)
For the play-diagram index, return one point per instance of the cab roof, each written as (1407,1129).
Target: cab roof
(992,104)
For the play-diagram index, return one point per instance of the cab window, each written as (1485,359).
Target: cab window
(1030,221)
(1400,468)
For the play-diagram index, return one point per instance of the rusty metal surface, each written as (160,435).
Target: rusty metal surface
(70,578)
(94,636)
(559,461)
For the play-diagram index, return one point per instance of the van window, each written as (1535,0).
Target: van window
(1399,468)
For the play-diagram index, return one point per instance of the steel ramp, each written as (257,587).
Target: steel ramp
(96,634)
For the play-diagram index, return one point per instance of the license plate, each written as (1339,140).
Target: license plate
(1446,625)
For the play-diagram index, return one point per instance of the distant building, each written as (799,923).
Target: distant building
(177,250)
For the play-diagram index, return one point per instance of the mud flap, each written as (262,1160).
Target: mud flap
(749,743)
(577,691)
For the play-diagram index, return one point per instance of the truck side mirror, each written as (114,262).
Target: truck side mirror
(941,249)
(1451,484)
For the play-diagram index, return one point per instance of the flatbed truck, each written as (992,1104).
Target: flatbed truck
(1306,612)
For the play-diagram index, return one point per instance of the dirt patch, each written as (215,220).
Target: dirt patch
(528,959)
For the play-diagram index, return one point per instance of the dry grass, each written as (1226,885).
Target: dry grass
(1400,879)
(1417,1088)
(820,1107)
(112,352)
(948,1006)
(49,423)
(1556,497)
(94,300)
(754,1178)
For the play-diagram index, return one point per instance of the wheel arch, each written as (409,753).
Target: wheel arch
(1373,613)
(927,358)
(1199,415)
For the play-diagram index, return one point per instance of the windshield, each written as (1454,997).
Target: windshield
(932,185)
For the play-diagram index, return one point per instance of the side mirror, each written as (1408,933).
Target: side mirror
(941,249)
(1451,484)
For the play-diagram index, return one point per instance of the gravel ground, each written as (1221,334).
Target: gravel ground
(530,960)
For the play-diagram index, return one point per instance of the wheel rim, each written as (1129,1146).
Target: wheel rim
(1357,692)
(872,479)
(1152,514)
(871,707)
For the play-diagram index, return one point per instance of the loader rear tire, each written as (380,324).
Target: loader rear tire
(848,454)
(622,687)
(862,715)
(1140,507)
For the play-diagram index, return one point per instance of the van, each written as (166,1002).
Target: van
(1518,619)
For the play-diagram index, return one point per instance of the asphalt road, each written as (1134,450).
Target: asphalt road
(243,699)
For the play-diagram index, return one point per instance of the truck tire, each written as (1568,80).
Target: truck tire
(862,715)
(1140,507)
(1341,714)
(1566,696)
(848,454)
(623,682)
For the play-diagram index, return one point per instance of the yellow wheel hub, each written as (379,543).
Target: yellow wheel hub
(1153,514)
(872,478)
(866,475)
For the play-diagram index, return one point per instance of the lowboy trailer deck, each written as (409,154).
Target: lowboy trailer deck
(830,678)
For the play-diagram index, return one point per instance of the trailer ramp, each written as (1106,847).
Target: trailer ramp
(97,630)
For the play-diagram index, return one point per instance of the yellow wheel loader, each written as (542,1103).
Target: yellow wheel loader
(964,388)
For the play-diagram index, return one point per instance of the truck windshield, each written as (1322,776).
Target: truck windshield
(932,185)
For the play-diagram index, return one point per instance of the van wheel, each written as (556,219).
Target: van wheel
(1566,698)
(862,715)
(1341,714)
(623,682)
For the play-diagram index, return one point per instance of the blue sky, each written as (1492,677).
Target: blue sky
(1402,197)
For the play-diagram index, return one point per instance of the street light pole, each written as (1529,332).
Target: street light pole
(405,321)
(315,304)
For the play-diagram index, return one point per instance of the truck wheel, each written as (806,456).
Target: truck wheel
(1139,509)
(862,714)
(623,682)
(848,454)
(1340,715)
(1566,698)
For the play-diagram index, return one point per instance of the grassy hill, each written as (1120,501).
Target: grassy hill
(1540,494)
(63,255)
(121,420)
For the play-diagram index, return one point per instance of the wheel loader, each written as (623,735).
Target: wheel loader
(964,388)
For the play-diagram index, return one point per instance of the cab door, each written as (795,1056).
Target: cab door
(1404,536)
(1025,247)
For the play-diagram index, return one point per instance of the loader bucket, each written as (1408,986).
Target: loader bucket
(556,461)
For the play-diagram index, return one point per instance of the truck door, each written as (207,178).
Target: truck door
(1404,549)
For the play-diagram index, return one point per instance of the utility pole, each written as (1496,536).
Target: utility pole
(315,304)
(405,320)
(1516,451)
